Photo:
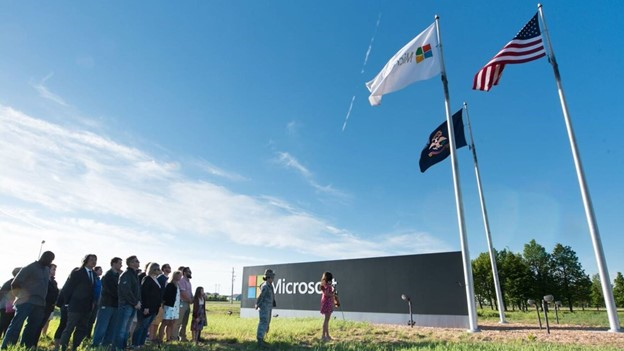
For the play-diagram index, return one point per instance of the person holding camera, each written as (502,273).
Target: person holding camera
(264,304)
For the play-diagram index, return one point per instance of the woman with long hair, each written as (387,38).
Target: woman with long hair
(171,306)
(327,302)
(199,313)
(150,303)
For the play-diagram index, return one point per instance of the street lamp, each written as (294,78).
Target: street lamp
(557,307)
(409,304)
(40,248)
(532,303)
(547,299)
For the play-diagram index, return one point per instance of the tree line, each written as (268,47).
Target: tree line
(535,273)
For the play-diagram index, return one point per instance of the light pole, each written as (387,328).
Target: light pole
(531,302)
(557,307)
(40,248)
(409,304)
(547,299)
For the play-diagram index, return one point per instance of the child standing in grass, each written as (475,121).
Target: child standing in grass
(327,302)
(199,313)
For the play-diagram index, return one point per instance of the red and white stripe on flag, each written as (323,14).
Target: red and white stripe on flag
(526,46)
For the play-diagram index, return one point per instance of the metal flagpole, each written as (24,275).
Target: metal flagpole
(472,314)
(589,210)
(486,223)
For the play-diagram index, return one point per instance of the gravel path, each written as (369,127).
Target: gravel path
(559,334)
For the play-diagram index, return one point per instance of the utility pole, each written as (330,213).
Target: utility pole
(232,294)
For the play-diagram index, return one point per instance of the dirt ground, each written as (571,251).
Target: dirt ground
(559,334)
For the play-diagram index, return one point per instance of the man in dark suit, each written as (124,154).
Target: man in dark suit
(80,302)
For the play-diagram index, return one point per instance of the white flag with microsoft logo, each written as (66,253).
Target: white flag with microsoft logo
(418,60)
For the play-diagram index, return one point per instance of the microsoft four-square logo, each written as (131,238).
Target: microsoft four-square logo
(253,284)
(423,52)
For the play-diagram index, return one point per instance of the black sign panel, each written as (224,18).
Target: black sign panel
(434,282)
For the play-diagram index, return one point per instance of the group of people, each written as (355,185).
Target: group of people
(266,301)
(126,306)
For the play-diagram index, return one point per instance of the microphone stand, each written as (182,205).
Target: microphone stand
(335,286)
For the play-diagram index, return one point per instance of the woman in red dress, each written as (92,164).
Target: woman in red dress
(327,302)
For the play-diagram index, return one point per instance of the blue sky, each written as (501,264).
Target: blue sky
(210,133)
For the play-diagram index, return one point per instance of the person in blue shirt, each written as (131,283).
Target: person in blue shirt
(97,292)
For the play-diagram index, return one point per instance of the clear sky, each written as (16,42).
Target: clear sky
(210,133)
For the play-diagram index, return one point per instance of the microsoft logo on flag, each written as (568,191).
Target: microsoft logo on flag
(419,55)
(423,52)
(253,283)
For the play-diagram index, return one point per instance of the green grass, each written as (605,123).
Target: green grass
(587,318)
(227,331)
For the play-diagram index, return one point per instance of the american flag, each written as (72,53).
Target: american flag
(526,46)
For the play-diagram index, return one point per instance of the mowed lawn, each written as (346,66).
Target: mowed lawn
(227,331)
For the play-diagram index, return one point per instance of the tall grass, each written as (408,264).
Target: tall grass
(227,331)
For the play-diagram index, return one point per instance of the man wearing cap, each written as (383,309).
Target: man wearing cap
(264,304)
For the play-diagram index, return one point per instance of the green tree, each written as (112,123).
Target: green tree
(584,291)
(597,299)
(483,280)
(618,290)
(566,272)
(538,261)
(515,278)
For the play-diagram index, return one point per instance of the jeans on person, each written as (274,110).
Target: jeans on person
(125,317)
(30,336)
(263,323)
(105,326)
(5,320)
(143,324)
(44,321)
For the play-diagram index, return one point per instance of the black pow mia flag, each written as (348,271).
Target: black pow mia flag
(438,145)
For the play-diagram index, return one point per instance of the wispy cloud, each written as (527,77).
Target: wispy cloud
(219,172)
(45,93)
(82,192)
(368,51)
(287,160)
(292,128)
(344,124)
(370,46)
